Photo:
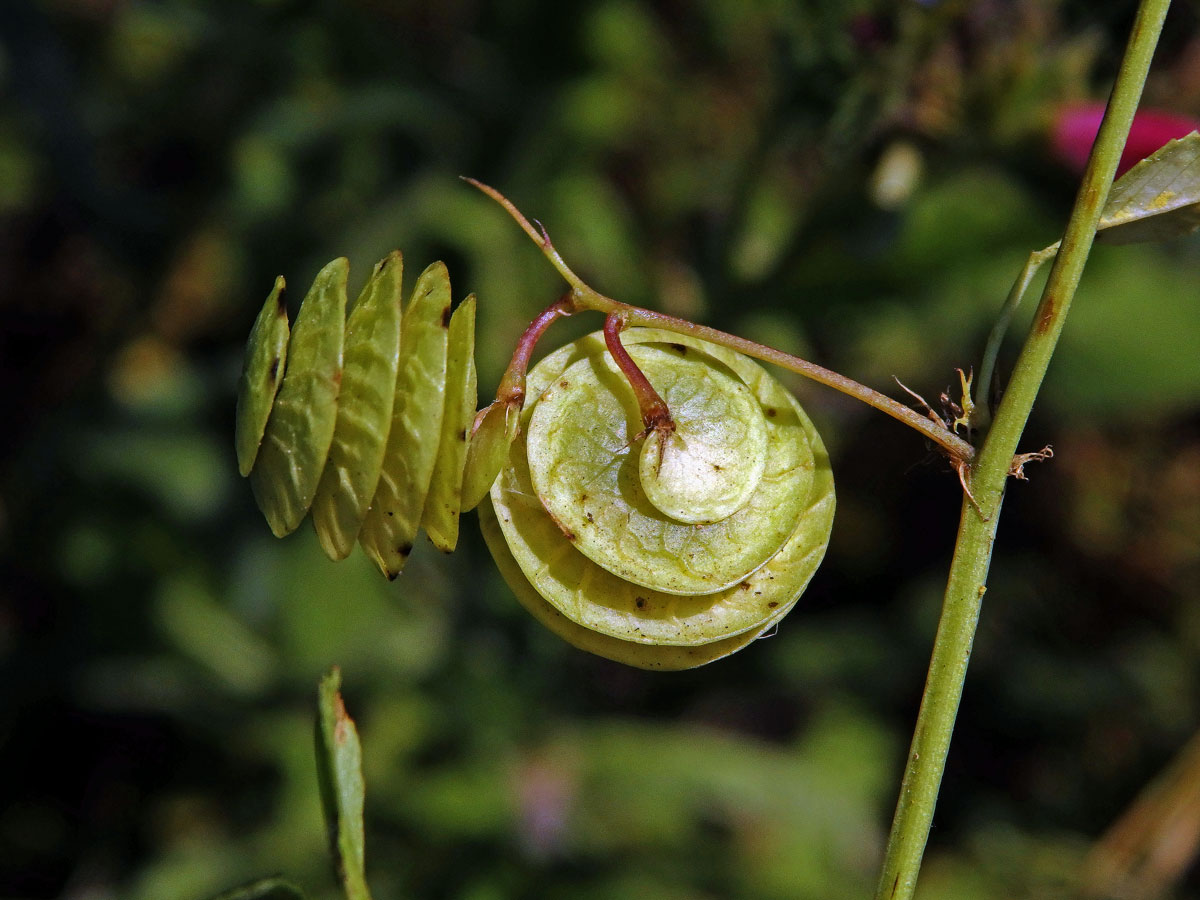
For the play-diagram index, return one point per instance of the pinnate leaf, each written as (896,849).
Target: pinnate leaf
(1157,199)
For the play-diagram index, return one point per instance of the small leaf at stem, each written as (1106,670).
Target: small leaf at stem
(339,772)
(1157,199)
(273,888)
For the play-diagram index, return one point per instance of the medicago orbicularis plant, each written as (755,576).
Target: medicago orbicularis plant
(651,496)
(536,543)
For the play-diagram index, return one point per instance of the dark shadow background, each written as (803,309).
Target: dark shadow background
(855,182)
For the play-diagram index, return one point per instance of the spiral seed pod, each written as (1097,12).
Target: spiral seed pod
(364,421)
(670,551)
(663,548)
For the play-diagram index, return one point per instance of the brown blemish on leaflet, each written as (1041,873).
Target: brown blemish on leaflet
(341,731)
(681,349)
(281,303)
(462,435)
(273,375)
(640,602)
(772,604)
(446,317)
(745,585)
(563,383)
(772,412)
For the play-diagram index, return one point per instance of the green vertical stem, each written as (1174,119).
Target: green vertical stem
(977,527)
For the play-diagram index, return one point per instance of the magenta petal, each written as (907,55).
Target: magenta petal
(1075,130)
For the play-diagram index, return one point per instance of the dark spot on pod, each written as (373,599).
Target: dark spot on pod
(681,349)
(274,373)
(640,602)
(772,412)
(772,604)
(446,317)
(563,383)
(390,513)
(404,549)
(745,585)
(591,521)
(716,468)
(570,535)
(462,435)
(583,498)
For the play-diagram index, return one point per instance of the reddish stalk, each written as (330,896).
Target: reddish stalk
(512,385)
(582,297)
(655,414)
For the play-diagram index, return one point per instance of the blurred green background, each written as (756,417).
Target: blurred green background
(857,182)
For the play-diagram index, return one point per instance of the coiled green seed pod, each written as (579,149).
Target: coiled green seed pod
(660,562)
(664,549)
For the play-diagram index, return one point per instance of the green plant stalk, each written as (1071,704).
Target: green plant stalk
(977,528)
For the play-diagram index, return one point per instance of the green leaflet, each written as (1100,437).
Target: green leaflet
(390,529)
(266,357)
(444,503)
(1157,199)
(364,410)
(300,428)
(602,611)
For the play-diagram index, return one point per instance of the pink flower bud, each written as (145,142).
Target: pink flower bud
(1075,130)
